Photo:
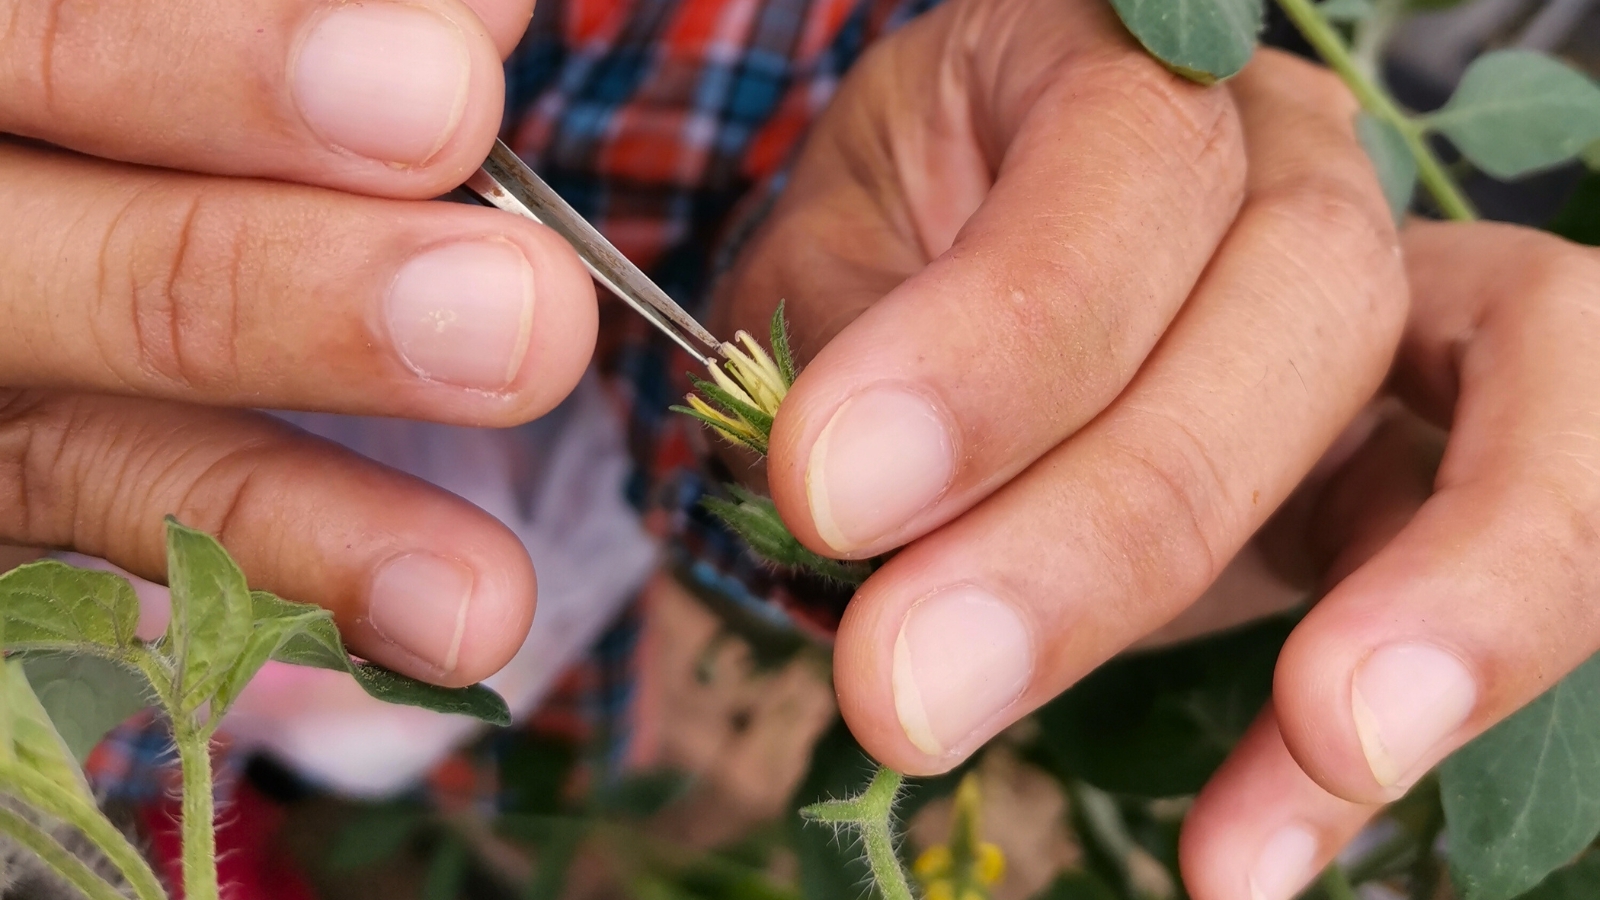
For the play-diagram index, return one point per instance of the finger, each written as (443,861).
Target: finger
(250,293)
(418,580)
(1041,310)
(505,20)
(1486,598)
(1261,828)
(388,97)
(1124,525)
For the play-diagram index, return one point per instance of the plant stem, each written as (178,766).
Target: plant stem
(871,814)
(1336,885)
(199,812)
(60,860)
(1319,32)
(60,803)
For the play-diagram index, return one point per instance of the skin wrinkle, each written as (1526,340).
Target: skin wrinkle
(174,308)
(48,39)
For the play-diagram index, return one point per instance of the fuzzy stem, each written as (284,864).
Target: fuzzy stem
(199,812)
(1320,33)
(60,860)
(60,803)
(871,814)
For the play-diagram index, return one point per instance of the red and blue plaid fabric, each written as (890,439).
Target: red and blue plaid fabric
(658,120)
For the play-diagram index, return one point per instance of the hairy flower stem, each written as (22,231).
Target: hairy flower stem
(199,812)
(1322,36)
(871,813)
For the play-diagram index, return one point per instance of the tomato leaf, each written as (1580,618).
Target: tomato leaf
(1524,797)
(1391,157)
(1203,40)
(1517,111)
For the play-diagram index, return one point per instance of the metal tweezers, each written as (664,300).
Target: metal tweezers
(507,183)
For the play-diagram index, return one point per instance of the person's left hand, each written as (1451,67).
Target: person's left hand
(1079,327)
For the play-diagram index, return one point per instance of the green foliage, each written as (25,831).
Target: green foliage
(1204,40)
(1517,111)
(211,622)
(1579,881)
(28,741)
(85,696)
(375,834)
(1391,156)
(1157,724)
(1345,10)
(1579,219)
(51,606)
(1524,797)
(78,629)
(756,519)
(1077,884)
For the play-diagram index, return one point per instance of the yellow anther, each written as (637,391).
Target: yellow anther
(932,863)
(991,865)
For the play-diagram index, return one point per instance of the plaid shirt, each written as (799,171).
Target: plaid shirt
(656,119)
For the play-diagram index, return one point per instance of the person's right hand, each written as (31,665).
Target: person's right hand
(210,204)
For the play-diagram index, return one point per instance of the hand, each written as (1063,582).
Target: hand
(139,300)
(1082,325)
(1459,596)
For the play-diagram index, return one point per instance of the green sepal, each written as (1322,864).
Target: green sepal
(781,354)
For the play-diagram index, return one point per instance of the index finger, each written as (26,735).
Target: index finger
(394,98)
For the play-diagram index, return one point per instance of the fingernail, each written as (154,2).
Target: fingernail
(419,603)
(462,313)
(884,456)
(383,80)
(1406,698)
(962,657)
(1285,864)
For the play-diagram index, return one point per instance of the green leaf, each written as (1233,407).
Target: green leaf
(86,696)
(274,622)
(756,519)
(1579,881)
(1579,219)
(317,644)
(447,874)
(31,742)
(1591,156)
(640,795)
(1524,797)
(1391,157)
(211,609)
(373,835)
(1517,111)
(1157,724)
(1077,884)
(1345,10)
(779,338)
(49,605)
(1204,40)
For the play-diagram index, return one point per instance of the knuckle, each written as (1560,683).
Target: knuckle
(1163,522)
(1336,229)
(176,260)
(33,497)
(1560,274)
(1198,128)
